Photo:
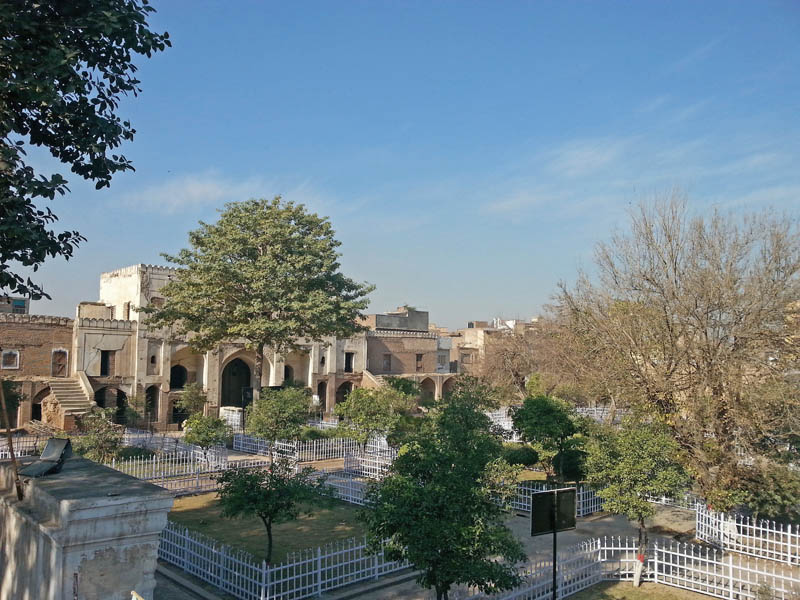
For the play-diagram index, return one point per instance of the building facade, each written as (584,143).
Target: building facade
(107,356)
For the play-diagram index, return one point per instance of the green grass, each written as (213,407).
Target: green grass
(202,513)
(624,590)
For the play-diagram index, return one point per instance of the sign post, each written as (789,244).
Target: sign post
(553,511)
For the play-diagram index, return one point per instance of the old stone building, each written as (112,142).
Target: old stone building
(107,356)
(401,344)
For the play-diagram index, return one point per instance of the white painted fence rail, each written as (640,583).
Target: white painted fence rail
(587,501)
(181,473)
(754,537)
(169,444)
(304,574)
(312,451)
(372,466)
(686,566)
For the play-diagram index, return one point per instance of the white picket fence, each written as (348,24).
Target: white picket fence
(304,574)
(502,418)
(180,472)
(168,444)
(754,537)
(586,500)
(372,466)
(312,451)
(688,566)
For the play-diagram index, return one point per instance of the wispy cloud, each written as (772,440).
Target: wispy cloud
(653,104)
(519,201)
(196,190)
(694,56)
(689,112)
(582,157)
(213,189)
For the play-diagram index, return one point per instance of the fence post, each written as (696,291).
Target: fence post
(319,571)
(730,576)
(655,563)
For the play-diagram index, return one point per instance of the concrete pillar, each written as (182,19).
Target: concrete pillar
(330,392)
(437,380)
(88,532)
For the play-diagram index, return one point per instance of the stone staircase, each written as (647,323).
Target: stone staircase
(70,396)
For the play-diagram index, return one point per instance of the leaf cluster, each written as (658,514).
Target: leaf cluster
(278,414)
(65,67)
(640,459)
(267,272)
(439,506)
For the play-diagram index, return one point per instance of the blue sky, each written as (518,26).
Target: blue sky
(469,154)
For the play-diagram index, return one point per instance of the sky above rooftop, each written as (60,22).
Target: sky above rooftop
(469,154)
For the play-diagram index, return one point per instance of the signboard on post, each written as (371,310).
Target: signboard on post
(542,505)
(553,511)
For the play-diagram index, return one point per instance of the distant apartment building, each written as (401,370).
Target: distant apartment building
(16,306)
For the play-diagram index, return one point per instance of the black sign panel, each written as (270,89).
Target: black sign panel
(544,503)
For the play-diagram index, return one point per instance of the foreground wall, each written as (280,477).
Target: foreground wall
(88,532)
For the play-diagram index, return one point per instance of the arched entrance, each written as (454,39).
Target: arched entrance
(428,388)
(288,374)
(448,385)
(236,389)
(177,377)
(151,395)
(109,397)
(343,391)
(36,404)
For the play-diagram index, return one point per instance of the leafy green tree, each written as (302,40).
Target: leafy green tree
(206,432)
(274,495)
(266,272)
(439,506)
(548,423)
(192,399)
(628,465)
(102,438)
(65,66)
(278,415)
(370,412)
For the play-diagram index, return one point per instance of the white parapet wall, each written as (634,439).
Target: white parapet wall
(88,532)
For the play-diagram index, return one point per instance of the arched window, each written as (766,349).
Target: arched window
(177,377)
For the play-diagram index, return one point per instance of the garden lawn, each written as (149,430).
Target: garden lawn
(624,590)
(202,513)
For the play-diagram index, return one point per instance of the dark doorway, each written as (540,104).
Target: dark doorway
(106,363)
(348,361)
(177,377)
(59,364)
(36,411)
(151,395)
(112,398)
(343,391)
(288,374)
(236,389)
(322,392)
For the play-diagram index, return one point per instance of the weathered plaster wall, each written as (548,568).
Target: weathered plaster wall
(88,532)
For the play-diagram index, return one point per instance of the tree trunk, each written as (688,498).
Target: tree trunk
(642,538)
(268,524)
(441,592)
(258,368)
(7,423)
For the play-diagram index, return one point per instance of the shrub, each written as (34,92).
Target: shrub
(520,454)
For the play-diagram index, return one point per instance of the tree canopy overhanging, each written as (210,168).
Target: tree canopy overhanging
(65,66)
